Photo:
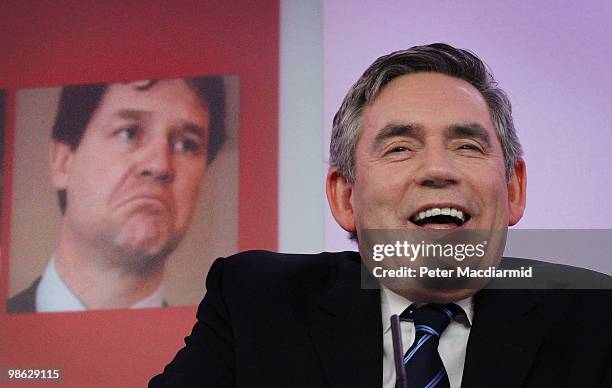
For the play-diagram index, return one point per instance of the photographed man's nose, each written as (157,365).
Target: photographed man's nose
(437,169)
(157,161)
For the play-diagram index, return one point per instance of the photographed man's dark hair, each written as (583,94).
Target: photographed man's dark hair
(434,58)
(79,102)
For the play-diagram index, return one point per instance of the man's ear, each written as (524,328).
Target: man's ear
(339,196)
(60,159)
(517,192)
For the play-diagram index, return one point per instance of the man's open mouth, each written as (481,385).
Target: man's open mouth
(440,218)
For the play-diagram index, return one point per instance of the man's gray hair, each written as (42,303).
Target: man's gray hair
(433,58)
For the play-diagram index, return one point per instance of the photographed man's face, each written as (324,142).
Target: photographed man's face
(427,141)
(133,181)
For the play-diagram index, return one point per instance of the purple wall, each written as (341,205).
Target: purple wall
(553,58)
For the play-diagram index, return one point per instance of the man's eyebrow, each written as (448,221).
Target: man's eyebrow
(396,130)
(132,114)
(469,130)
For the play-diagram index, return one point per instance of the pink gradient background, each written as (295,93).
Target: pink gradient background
(552,58)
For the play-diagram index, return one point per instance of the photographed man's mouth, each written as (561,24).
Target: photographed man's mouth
(440,218)
(150,200)
(147,201)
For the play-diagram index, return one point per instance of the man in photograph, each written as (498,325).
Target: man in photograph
(423,142)
(127,161)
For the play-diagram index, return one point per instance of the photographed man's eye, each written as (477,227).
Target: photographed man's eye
(128,133)
(188,145)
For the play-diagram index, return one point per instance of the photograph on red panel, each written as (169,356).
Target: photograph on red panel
(122,193)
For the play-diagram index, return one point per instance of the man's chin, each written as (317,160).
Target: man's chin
(143,248)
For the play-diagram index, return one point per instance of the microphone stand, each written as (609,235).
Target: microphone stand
(398,353)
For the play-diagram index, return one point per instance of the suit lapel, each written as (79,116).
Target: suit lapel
(25,301)
(347,333)
(507,331)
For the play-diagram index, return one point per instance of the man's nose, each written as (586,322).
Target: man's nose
(157,161)
(437,169)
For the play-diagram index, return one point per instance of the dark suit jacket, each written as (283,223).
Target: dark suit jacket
(275,320)
(25,301)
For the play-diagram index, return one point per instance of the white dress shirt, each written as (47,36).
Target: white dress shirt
(452,346)
(53,294)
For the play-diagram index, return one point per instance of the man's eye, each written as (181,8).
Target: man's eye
(128,133)
(470,147)
(188,145)
(396,150)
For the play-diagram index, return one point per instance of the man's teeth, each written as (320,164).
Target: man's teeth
(436,211)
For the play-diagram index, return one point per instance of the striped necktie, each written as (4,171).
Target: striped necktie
(424,368)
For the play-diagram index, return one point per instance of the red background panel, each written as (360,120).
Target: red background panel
(50,43)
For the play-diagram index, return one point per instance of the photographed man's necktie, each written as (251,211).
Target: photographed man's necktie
(424,368)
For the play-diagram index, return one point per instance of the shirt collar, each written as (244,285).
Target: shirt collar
(392,303)
(53,294)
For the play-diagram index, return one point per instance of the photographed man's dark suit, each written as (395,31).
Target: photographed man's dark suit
(275,320)
(25,301)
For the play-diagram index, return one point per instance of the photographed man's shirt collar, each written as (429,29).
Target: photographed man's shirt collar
(53,295)
(392,303)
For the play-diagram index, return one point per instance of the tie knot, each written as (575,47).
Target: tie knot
(432,318)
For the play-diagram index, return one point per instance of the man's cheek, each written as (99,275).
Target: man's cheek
(189,192)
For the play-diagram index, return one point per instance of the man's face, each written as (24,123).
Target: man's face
(133,181)
(427,142)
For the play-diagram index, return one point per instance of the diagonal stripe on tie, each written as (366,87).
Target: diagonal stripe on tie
(441,374)
(426,329)
(411,353)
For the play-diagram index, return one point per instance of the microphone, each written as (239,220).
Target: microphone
(398,353)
